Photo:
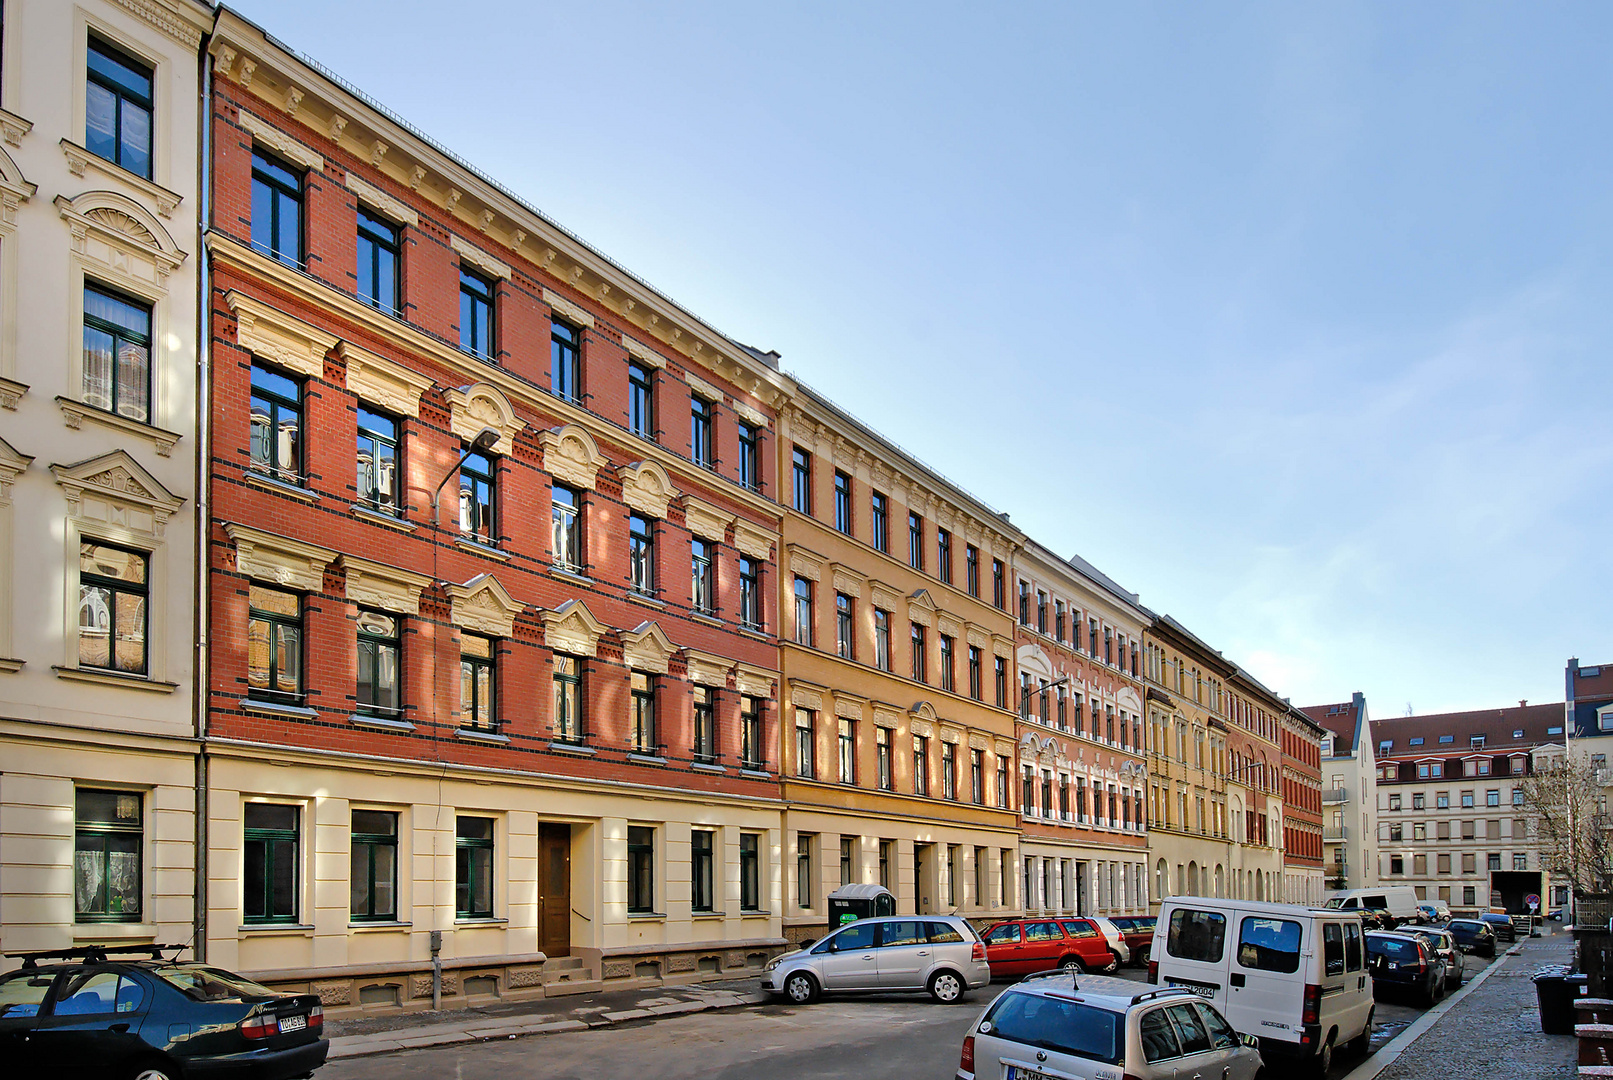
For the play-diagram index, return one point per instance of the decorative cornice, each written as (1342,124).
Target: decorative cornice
(279,560)
(376,199)
(146,505)
(643,353)
(805,564)
(14,127)
(372,584)
(482,605)
(566,309)
(164,19)
(806,698)
(469,252)
(708,669)
(703,389)
(272,335)
(266,133)
(705,520)
(383,382)
(755,681)
(571,628)
(647,648)
(646,488)
(483,405)
(571,455)
(753,540)
(79,159)
(847,580)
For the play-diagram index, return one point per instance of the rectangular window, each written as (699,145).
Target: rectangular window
(847,853)
(801,480)
(700,432)
(1469,897)
(641,554)
(1000,676)
(1041,611)
(977,777)
(274,645)
(705,724)
(882,639)
(885,863)
(842,502)
(565,360)
(1493,861)
(276,424)
(750,594)
(803,870)
(640,400)
(749,473)
(373,868)
(975,688)
(473,868)
(1520,860)
(879,514)
(999,597)
(1492,798)
(378,470)
(276,209)
(566,506)
(478,694)
(1058,620)
(949,771)
(848,752)
(1027,790)
(943,555)
(803,611)
(882,756)
(1024,695)
(379,681)
(700,870)
(915,541)
(701,574)
(114,601)
(1467,799)
(1024,603)
(642,688)
(269,877)
(117,354)
(1002,781)
(948,664)
(640,869)
(971,569)
(805,739)
(750,732)
(1092,650)
(1063,708)
(377,263)
(845,633)
(921,765)
(570,721)
(750,872)
(477,485)
(107,851)
(918,642)
(117,108)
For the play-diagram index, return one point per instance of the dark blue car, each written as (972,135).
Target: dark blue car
(1474,935)
(95,1013)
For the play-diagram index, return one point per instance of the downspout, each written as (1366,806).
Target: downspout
(202,674)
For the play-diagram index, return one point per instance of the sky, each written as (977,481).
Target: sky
(1293,319)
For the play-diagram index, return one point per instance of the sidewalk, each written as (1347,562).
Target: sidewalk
(359,1036)
(1492,1032)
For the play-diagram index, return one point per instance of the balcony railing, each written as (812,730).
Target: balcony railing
(1333,796)
(1335,832)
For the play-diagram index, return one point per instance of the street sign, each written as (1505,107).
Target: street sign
(1532,901)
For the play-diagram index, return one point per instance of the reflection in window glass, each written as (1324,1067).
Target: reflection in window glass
(1196,935)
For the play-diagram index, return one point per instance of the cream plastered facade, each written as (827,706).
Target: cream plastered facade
(941,854)
(354,963)
(72,472)
(1349,803)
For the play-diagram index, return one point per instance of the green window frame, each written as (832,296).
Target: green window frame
(643,688)
(373,872)
(705,725)
(118,107)
(380,461)
(108,856)
(377,260)
(478,683)
(565,352)
(570,720)
(276,209)
(750,729)
(274,645)
(276,406)
(475,314)
(640,869)
(380,681)
(750,872)
(701,859)
(114,608)
(473,868)
(270,879)
(117,353)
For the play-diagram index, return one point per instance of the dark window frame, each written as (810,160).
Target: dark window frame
(469,868)
(478,494)
(705,724)
(124,94)
(282,192)
(565,520)
(751,751)
(116,588)
(801,480)
(702,859)
(570,719)
(382,239)
(843,522)
(471,669)
(879,520)
(750,475)
(643,690)
(276,406)
(378,438)
(125,340)
(750,871)
(277,623)
(702,577)
(702,424)
(641,554)
(641,400)
(565,361)
(640,870)
(371,842)
(270,837)
(96,836)
(750,593)
(378,644)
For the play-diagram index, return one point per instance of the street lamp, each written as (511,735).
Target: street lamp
(485,440)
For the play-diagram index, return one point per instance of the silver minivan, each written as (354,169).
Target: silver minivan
(939,954)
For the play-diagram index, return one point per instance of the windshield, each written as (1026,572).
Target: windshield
(1390,947)
(1064,1027)
(212,984)
(1336,902)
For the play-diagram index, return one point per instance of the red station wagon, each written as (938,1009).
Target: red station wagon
(1021,946)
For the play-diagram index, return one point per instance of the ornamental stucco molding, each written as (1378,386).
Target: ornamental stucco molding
(566,309)
(951,735)
(848,707)
(376,199)
(705,520)
(753,540)
(279,560)
(979,742)
(382,382)
(571,456)
(121,238)
(481,260)
(483,606)
(271,334)
(887,716)
(643,353)
(921,609)
(977,637)
(1004,748)
(847,580)
(703,389)
(1003,647)
(571,628)
(266,133)
(647,648)
(751,416)
(755,681)
(923,729)
(884,597)
(805,698)
(483,405)
(707,669)
(948,625)
(114,489)
(376,585)
(647,488)
(805,564)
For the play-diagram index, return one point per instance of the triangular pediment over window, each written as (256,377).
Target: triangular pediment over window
(114,488)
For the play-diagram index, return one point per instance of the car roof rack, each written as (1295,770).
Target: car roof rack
(1149,995)
(1050,973)
(94,954)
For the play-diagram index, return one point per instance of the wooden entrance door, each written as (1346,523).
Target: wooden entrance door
(554,885)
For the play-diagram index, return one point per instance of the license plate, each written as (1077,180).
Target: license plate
(292,1023)
(1017,1073)
(1193,988)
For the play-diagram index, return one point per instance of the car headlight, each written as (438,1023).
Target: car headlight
(772,964)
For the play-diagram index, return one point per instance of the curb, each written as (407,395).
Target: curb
(1391,1050)
(347,1047)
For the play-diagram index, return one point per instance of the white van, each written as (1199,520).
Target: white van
(1400,900)
(1294,977)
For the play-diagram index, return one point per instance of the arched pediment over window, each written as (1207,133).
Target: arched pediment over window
(121,237)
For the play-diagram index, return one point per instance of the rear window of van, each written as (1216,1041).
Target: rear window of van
(1269,944)
(1197,935)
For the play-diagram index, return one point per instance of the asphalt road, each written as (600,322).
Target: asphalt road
(837,1039)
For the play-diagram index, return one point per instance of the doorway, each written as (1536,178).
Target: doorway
(924,878)
(554,889)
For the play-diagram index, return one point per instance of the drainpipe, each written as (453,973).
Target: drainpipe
(436,971)
(200,673)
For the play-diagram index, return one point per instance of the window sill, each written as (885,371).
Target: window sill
(78,158)
(277,929)
(492,738)
(275,708)
(11,391)
(645,600)
(708,767)
(645,759)
(479,920)
(707,916)
(758,913)
(476,547)
(110,678)
(574,576)
(11,663)
(646,916)
(375,517)
(705,617)
(572,748)
(755,774)
(280,487)
(379,925)
(753,632)
(380,723)
(76,412)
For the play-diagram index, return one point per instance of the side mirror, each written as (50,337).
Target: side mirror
(807,943)
(1249,1040)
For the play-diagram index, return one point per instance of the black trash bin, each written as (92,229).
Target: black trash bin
(1556,988)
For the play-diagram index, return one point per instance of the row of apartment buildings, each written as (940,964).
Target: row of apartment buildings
(385,575)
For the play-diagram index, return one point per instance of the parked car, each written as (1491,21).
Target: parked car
(1138,930)
(1295,975)
(1103,1027)
(1434,912)
(1379,918)
(1555,915)
(1117,940)
(1400,900)
(1024,946)
(940,954)
(106,1011)
(1473,935)
(1502,925)
(1405,961)
(1445,946)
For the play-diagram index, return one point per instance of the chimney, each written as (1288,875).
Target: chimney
(1523,703)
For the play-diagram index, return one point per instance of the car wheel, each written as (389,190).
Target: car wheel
(1114,961)
(1072,965)
(1322,1063)
(154,1070)
(801,988)
(1362,1042)
(1434,993)
(946,987)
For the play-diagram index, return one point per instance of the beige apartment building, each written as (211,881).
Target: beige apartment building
(1449,801)
(98,258)
(1349,803)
